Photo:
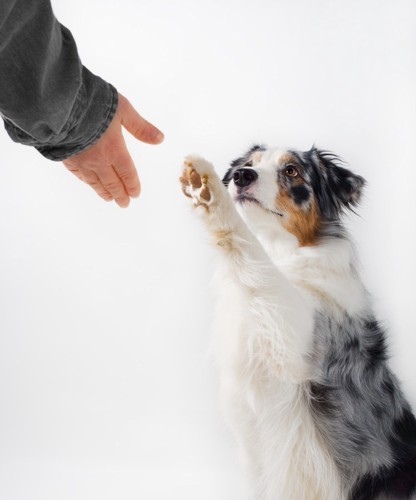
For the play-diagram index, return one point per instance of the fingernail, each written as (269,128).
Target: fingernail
(159,137)
(134,192)
(122,203)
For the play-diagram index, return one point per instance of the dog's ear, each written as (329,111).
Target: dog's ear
(344,188)
(239,162)
(347,186)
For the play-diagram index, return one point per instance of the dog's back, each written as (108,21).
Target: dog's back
(359,408)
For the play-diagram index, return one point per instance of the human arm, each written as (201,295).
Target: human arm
(50,101)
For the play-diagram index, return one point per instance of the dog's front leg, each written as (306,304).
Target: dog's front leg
(281,317)
(211,199)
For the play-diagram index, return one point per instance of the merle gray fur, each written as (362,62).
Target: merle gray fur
(360,410)
(355,399)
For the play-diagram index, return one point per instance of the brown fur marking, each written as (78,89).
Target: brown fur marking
(304,225)
(288,158)
(224,239)
(256,157)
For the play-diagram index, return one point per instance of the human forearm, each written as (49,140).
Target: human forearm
(47,98)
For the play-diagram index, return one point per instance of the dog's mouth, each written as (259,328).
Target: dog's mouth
(248,198)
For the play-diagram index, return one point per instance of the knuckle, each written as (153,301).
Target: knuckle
(114,187)
(106,196)
(138,129)
(95,183)
(125,172)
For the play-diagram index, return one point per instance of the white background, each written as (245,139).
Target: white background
(107,390)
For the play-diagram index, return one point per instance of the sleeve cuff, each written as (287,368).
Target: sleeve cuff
(94,109)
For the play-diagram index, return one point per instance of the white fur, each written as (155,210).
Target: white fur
(269,288)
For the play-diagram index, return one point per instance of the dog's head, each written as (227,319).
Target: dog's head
(305,192)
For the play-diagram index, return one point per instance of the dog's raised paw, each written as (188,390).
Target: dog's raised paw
(195,180)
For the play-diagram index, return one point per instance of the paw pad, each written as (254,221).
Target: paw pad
(195,184)
(195,179)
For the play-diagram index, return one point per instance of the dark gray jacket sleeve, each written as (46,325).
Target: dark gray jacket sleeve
(48,99)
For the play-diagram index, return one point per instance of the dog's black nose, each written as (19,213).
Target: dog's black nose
(244,177)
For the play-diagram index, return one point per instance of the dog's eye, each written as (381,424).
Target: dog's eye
(291,171)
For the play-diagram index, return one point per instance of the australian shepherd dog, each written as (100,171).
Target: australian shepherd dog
(305,382)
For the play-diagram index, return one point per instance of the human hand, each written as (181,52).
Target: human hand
(107,165)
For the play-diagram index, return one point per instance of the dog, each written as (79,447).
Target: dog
(305,382)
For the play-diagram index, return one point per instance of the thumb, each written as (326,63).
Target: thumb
(140,128)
